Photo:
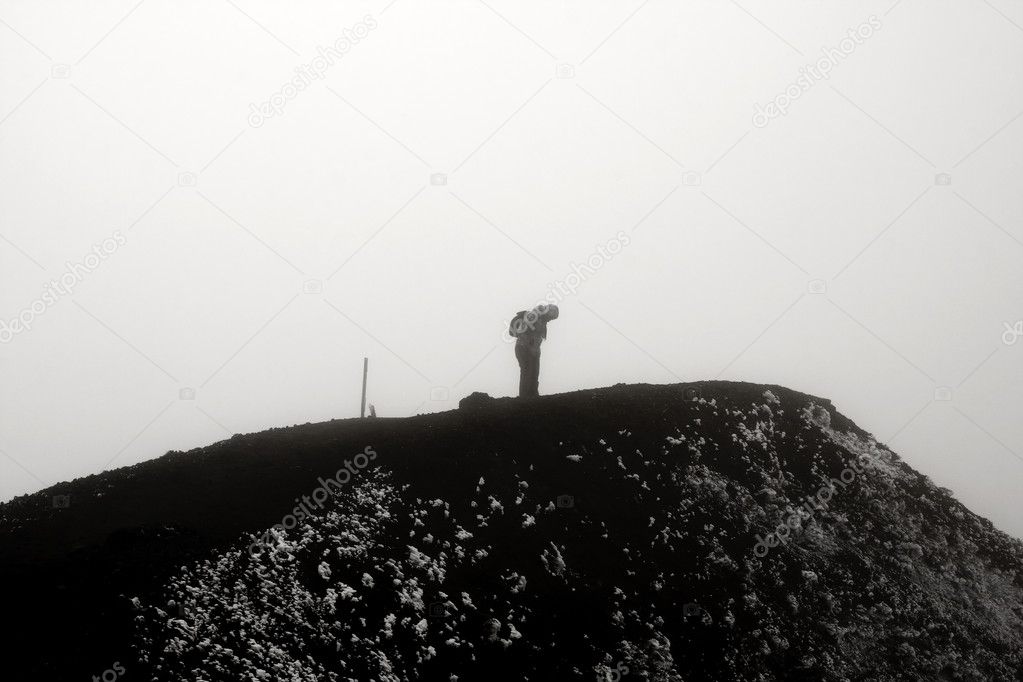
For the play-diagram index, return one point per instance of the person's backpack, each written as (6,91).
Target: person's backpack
(518,324)
(523,321)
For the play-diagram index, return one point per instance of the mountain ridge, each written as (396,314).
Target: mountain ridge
(715,467)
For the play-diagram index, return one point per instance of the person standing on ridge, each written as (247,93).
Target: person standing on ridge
(529,328)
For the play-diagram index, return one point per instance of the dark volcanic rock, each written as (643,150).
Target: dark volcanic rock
(706,531)
(475,400)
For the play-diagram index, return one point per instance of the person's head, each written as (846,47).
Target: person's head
(546,311)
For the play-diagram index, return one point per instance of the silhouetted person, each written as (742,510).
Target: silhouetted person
(530,329)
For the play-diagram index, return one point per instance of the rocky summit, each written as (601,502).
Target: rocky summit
(703,531)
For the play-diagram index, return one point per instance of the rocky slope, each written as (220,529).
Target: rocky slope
(707,531)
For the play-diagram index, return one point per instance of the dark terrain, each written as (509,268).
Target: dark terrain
(603,534)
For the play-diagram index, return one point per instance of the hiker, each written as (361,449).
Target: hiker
(530,329)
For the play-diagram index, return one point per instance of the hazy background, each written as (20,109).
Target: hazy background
(134,116)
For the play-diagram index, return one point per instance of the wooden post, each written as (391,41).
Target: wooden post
(365,371)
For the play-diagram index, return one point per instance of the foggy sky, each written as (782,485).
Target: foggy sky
(458,161)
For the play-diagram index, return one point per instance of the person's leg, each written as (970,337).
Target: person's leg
(534,373)
(522,357)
